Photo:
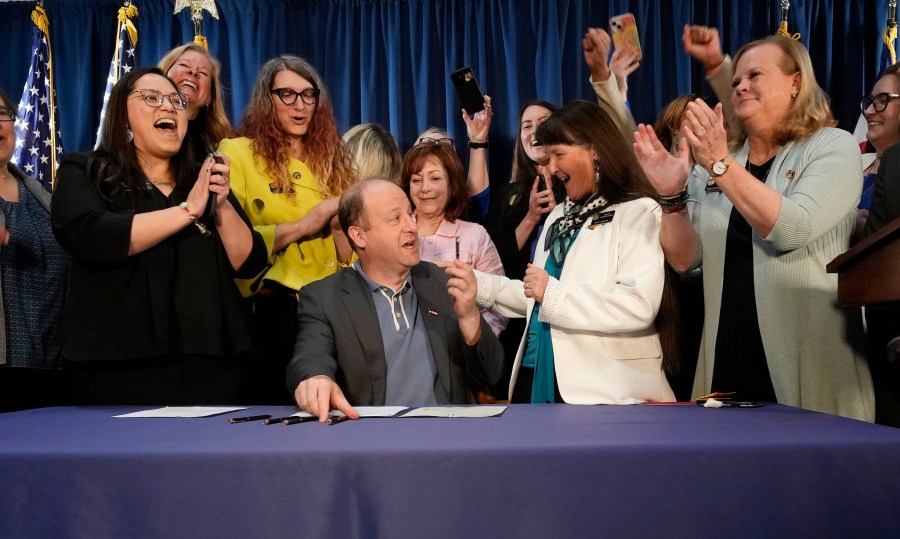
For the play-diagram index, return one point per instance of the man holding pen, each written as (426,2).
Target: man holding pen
(392,330)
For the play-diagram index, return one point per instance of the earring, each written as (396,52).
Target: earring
(129,135)
(794,95)
(596,170)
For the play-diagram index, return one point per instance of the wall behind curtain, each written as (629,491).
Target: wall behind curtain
(387,61)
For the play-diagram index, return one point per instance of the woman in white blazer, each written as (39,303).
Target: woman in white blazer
(594,291)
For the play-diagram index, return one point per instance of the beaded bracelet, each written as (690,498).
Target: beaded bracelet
(674,203)
(200,226)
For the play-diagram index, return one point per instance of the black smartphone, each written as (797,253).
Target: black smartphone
(211,201)
(543,186)
(467,89)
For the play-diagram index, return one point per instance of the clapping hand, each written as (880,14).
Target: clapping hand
(668,173)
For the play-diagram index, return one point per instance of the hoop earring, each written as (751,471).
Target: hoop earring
(128,134)
(596,170)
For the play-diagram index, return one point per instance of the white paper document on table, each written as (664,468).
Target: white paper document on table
(185,411)
(456,411)
(364,411)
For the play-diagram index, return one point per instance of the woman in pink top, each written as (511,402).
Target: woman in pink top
(434,178)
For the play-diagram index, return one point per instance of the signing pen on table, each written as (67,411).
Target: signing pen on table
(274,420)
(293,420)
(336,420)
(248,418)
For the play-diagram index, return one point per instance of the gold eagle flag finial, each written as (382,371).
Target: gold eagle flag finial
(783,27)
(197,8)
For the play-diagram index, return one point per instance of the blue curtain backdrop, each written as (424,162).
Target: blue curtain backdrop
(387,61)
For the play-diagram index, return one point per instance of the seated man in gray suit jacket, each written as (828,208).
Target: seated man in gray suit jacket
(392,330)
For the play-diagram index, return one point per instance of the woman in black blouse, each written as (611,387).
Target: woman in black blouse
(153,316)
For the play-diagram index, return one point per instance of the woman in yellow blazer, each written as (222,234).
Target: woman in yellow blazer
(289,167)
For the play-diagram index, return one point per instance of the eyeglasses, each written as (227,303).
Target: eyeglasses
(154,98)
(431,140)
(7,115)
(310,96)
(879,102)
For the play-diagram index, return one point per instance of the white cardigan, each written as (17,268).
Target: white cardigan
(601,310)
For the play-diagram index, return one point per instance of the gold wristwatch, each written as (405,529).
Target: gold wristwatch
(719,167)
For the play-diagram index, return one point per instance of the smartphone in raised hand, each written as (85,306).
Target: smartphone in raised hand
(624,31)
(467,89)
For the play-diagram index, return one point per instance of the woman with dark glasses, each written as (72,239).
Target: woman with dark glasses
(882,192)
(153,316)
(882,112)
(288,169)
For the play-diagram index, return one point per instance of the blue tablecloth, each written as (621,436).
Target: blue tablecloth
(536,471)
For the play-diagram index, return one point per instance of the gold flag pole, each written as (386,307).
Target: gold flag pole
(197,8)
(39,16)
(890,30)
(783,27)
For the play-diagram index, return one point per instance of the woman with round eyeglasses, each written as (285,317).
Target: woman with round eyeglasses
(288,170)
(882,190)
(882,112)
(153,316)
(34,279)
(196,74)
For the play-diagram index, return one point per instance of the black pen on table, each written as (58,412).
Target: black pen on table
(336,420)
(248,418)
(275,420)
(293,420)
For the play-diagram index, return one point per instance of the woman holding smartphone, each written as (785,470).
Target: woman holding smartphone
(153,316)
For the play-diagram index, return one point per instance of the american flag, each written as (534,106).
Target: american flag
(38,144)
(123,57)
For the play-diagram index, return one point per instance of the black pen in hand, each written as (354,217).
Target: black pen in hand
(233,420)
(336,420)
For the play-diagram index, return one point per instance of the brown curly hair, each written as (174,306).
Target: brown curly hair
(326,154)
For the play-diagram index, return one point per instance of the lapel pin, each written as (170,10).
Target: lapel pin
(432,312)
(790,175)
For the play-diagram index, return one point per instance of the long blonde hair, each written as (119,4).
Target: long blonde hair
(810,110)
(375,152)
(213,123)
